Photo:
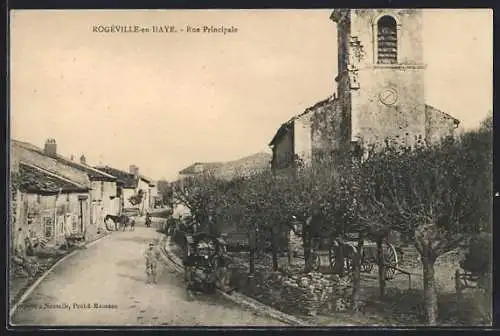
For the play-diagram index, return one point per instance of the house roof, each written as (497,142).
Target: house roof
(124,179)
(206,166)
(27,153)
(286,126)
(146,179)
(38,180)
(244,166)
(91,172)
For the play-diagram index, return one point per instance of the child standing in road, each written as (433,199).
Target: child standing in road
(152,255)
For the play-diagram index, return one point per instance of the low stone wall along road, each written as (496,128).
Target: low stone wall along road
(105,284)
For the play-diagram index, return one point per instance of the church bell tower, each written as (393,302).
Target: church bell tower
(380,82)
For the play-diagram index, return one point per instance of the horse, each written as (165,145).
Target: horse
(114,219)
(120,221)
(127,221)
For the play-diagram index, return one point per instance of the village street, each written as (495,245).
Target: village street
(111,274)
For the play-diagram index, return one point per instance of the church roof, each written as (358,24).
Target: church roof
(445,115)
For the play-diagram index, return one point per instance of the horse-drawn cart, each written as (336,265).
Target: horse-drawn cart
(205,262)
(369,256)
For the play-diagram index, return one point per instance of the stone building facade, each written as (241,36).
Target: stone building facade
(85,205)
(380,91)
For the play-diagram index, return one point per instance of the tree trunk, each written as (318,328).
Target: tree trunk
(252,260)
(252,244)
(289,250)
(430,293)
(274,251)
(381,266)
(356,277)
(307,250)
(339,260)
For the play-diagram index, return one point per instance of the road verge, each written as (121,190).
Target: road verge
(236,297)
(39,279)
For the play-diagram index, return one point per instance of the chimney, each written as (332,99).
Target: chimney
(83,160)
(133,169)
(50,147)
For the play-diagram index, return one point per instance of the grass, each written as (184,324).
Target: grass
(45,259)
(401,306)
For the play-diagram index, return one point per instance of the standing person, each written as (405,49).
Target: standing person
(152,256)
(148,219)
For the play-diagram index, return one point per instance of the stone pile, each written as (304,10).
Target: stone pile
(302,294)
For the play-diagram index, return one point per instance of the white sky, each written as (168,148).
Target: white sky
(164,101)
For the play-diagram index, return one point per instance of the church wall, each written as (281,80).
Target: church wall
(438,124)
(283,150)
(360,88)
(404,120)
(302,137)
(410,41)
(329,129)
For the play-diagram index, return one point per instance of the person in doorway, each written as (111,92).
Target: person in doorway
(152,256)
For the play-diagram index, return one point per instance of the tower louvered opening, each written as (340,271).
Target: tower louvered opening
(387,38)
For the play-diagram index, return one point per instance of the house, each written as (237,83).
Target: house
(195,169)
(244,166)
(223,170)
(156,198)
(51,200)
(102,186)
(380,93)
(227,170)
(198,168)
(104,200)
(130,185)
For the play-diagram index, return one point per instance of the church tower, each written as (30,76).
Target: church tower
(380,82)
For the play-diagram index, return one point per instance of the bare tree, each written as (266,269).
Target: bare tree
(436,195)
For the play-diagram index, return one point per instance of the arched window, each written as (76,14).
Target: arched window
(387,40)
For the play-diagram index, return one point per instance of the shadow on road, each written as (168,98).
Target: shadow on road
(138,279)
(129,236)
(130,263)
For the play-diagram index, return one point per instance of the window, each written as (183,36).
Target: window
(387,40)
(48,227)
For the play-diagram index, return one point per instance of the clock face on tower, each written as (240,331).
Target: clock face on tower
(388,96)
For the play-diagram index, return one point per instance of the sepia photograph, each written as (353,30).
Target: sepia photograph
(292,167)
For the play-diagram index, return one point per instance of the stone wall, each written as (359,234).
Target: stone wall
(330,129)
(302,137)
(298,294)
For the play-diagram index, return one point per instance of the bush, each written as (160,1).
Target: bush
(478,258)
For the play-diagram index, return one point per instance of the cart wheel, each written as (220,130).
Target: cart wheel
(332,256)
(366,264)
(366,267)
(348,264)
(391,260)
